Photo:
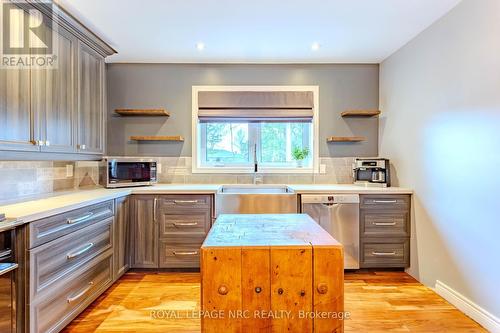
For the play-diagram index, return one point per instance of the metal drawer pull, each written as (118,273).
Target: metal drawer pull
(5,254)
(384,223)
(385,201)
(381,254)
(80,252)
(7,267)
(80,219)
(186,253)
(185,224)
(185,201)
(155,205)
(80,294)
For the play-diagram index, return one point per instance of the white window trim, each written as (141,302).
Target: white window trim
(197,168)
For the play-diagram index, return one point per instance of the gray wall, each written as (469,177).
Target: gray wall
(169,86)
(440,95)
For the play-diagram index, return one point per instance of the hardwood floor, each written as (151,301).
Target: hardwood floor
(382,301)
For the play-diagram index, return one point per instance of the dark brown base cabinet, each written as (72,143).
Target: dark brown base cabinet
(168,230)
(384,231)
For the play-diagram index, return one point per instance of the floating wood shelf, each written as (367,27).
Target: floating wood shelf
(143,112)
(360,113)
(157,138)
(346,139)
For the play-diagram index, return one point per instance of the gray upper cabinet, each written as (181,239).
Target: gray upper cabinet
(53,98)
(17,132)
(91,101)
(16,119)
(58,111)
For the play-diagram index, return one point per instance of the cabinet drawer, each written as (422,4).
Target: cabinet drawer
(194,221)
(180,252)
(385,253)
(184,203)
(51,263)
(54,311)
(384,224)
(43,231)
(386,202)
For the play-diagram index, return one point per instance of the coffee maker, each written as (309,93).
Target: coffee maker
(372,172)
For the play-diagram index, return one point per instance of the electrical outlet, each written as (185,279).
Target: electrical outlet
(158,168)
(69,170)
(322,168)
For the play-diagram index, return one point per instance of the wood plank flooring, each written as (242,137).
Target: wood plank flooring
(380,301)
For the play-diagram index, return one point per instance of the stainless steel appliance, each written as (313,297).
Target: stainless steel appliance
(255,199)
(339,215)
(372,172)
(125,172)
(7,284)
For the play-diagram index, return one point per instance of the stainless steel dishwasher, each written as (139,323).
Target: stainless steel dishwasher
(339,215)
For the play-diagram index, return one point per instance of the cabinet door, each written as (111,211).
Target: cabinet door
(145,232)
(53,97)
(90,101)
(121,234)
(16,123)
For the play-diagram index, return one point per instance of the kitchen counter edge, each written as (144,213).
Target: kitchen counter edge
(57,204)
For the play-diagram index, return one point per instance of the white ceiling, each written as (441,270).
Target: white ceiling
(257,31)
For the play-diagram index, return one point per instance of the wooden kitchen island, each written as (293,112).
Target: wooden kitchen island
(271,273)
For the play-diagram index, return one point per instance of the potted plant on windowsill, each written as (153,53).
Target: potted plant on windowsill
(299,155)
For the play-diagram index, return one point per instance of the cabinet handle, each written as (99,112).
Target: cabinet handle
(185,253)
(322,288)
(80,294)
(8,267)
(155,204)
(384,223)
(81,219)
(384,254)
(185,224)
(223,290)
(185,201)
(80,252)
(385,201)
(5,254)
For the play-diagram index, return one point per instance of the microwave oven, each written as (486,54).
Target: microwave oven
(126,172)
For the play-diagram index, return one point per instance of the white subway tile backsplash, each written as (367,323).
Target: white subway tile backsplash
(26,178)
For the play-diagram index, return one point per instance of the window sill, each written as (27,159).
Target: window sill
(251,171)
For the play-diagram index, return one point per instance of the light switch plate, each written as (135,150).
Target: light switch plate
(69,170)
(322,168)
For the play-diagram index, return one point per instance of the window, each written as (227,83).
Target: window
(233,144)
(229,144)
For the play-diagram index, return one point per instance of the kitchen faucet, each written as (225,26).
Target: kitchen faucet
(257,179)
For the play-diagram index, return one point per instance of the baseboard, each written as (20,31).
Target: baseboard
(471,309)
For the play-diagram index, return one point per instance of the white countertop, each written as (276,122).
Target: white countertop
(35,209)
(347,188)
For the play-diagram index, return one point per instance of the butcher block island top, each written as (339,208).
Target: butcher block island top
(271,273)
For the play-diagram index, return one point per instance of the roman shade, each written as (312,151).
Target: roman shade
(255,106)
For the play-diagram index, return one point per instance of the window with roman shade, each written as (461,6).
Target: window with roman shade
(231,124)
(255,106)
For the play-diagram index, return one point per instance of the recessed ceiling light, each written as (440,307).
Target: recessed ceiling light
(200,46)
(315,46)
